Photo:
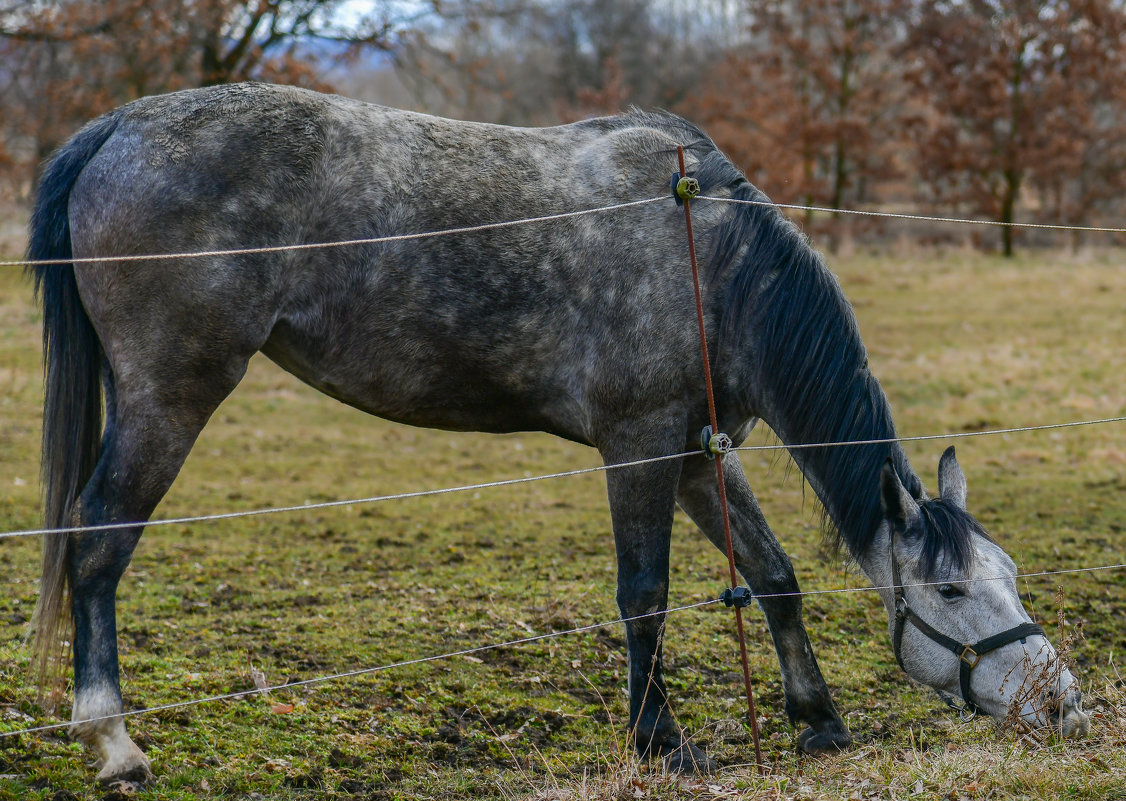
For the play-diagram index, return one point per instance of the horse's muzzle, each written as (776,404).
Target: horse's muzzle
(1067,716)
(1061,712)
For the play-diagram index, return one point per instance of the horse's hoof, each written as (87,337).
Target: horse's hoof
(129,781)
(828,741)
(688,759)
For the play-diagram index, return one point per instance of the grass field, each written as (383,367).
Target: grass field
(961,342)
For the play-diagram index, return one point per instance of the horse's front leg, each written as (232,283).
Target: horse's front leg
(642,500)
(767,568)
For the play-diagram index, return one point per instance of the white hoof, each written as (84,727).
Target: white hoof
(125,763)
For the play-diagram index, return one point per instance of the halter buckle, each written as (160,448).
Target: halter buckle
(970,656)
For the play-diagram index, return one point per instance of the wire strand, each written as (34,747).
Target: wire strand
(521,641)
(928,437)
(359,671)
(528,479)
(975,580)
(377,240)
(919,217)
(356,501)
(548,218)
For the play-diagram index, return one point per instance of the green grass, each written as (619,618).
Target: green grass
(961,342)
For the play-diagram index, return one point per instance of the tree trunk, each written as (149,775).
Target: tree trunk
(1008,205)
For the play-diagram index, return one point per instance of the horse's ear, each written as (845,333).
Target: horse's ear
(896,501)
(951,480)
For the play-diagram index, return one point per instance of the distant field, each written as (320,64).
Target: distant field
(961,342)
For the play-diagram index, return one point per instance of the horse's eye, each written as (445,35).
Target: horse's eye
(949,591)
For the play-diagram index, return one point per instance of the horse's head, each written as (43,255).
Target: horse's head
(955,616)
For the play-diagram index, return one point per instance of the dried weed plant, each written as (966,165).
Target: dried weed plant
(1039,690)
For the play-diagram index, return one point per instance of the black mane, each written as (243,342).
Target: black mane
(946,532)
(810,371)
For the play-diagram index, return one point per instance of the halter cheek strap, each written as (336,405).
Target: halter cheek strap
(968,654)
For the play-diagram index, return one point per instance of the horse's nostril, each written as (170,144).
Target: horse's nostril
(1051,701)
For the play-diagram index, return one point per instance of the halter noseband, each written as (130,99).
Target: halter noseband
(968,655)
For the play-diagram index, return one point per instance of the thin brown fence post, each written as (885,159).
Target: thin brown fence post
(719,464)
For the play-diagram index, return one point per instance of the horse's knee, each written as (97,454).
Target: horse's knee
(643,592)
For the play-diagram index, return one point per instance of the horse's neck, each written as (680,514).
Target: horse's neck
(790,339)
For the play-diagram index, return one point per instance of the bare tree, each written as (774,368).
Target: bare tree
(811,101)
(68,61)
(543,61)
(1016,91)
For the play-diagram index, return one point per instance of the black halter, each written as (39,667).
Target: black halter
(968,655)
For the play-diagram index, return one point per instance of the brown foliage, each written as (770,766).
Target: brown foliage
(1018,93)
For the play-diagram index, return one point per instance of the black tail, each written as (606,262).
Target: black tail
(72,404)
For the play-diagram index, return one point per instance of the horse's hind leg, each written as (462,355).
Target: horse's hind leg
(767,569)
(148,435)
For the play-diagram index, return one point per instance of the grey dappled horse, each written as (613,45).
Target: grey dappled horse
(581,327)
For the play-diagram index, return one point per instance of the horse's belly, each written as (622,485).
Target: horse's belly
(429,383)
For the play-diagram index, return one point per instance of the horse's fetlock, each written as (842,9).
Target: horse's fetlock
(85,733)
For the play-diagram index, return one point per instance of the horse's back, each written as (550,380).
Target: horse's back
(500,329)
(258,143)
